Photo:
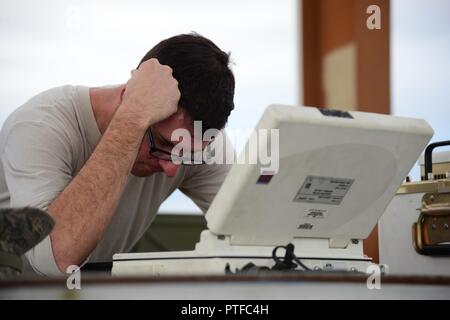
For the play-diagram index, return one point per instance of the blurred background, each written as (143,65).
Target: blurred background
(311,52)
(50,43)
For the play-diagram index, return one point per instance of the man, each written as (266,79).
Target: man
(70,151)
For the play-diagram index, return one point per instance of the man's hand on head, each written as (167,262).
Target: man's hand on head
(152,93)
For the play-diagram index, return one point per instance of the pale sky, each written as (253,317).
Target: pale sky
(420,63)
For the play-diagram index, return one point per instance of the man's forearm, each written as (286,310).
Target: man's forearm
(85,207)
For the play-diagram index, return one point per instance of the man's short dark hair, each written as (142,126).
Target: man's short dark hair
(205,80)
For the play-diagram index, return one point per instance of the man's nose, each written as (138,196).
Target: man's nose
(169,168)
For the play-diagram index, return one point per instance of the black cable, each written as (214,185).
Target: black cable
(301,264)
(287,263)
(290,262)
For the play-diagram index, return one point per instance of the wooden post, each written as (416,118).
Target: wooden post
(346,65)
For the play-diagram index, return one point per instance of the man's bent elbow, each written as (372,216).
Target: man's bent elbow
(63,256)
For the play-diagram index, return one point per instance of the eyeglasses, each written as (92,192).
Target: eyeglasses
(192,159)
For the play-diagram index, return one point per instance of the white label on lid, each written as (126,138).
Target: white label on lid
(323,190)
(316,213)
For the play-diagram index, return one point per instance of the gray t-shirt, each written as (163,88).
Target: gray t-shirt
(46,142)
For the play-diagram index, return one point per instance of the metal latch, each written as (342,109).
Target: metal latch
(431,233)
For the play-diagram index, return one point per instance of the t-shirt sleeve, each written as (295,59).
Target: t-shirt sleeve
(202,182)
(37,167)
(203,185)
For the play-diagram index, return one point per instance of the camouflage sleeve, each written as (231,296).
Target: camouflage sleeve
(20,230)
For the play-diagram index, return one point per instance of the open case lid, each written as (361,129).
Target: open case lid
(337,173)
